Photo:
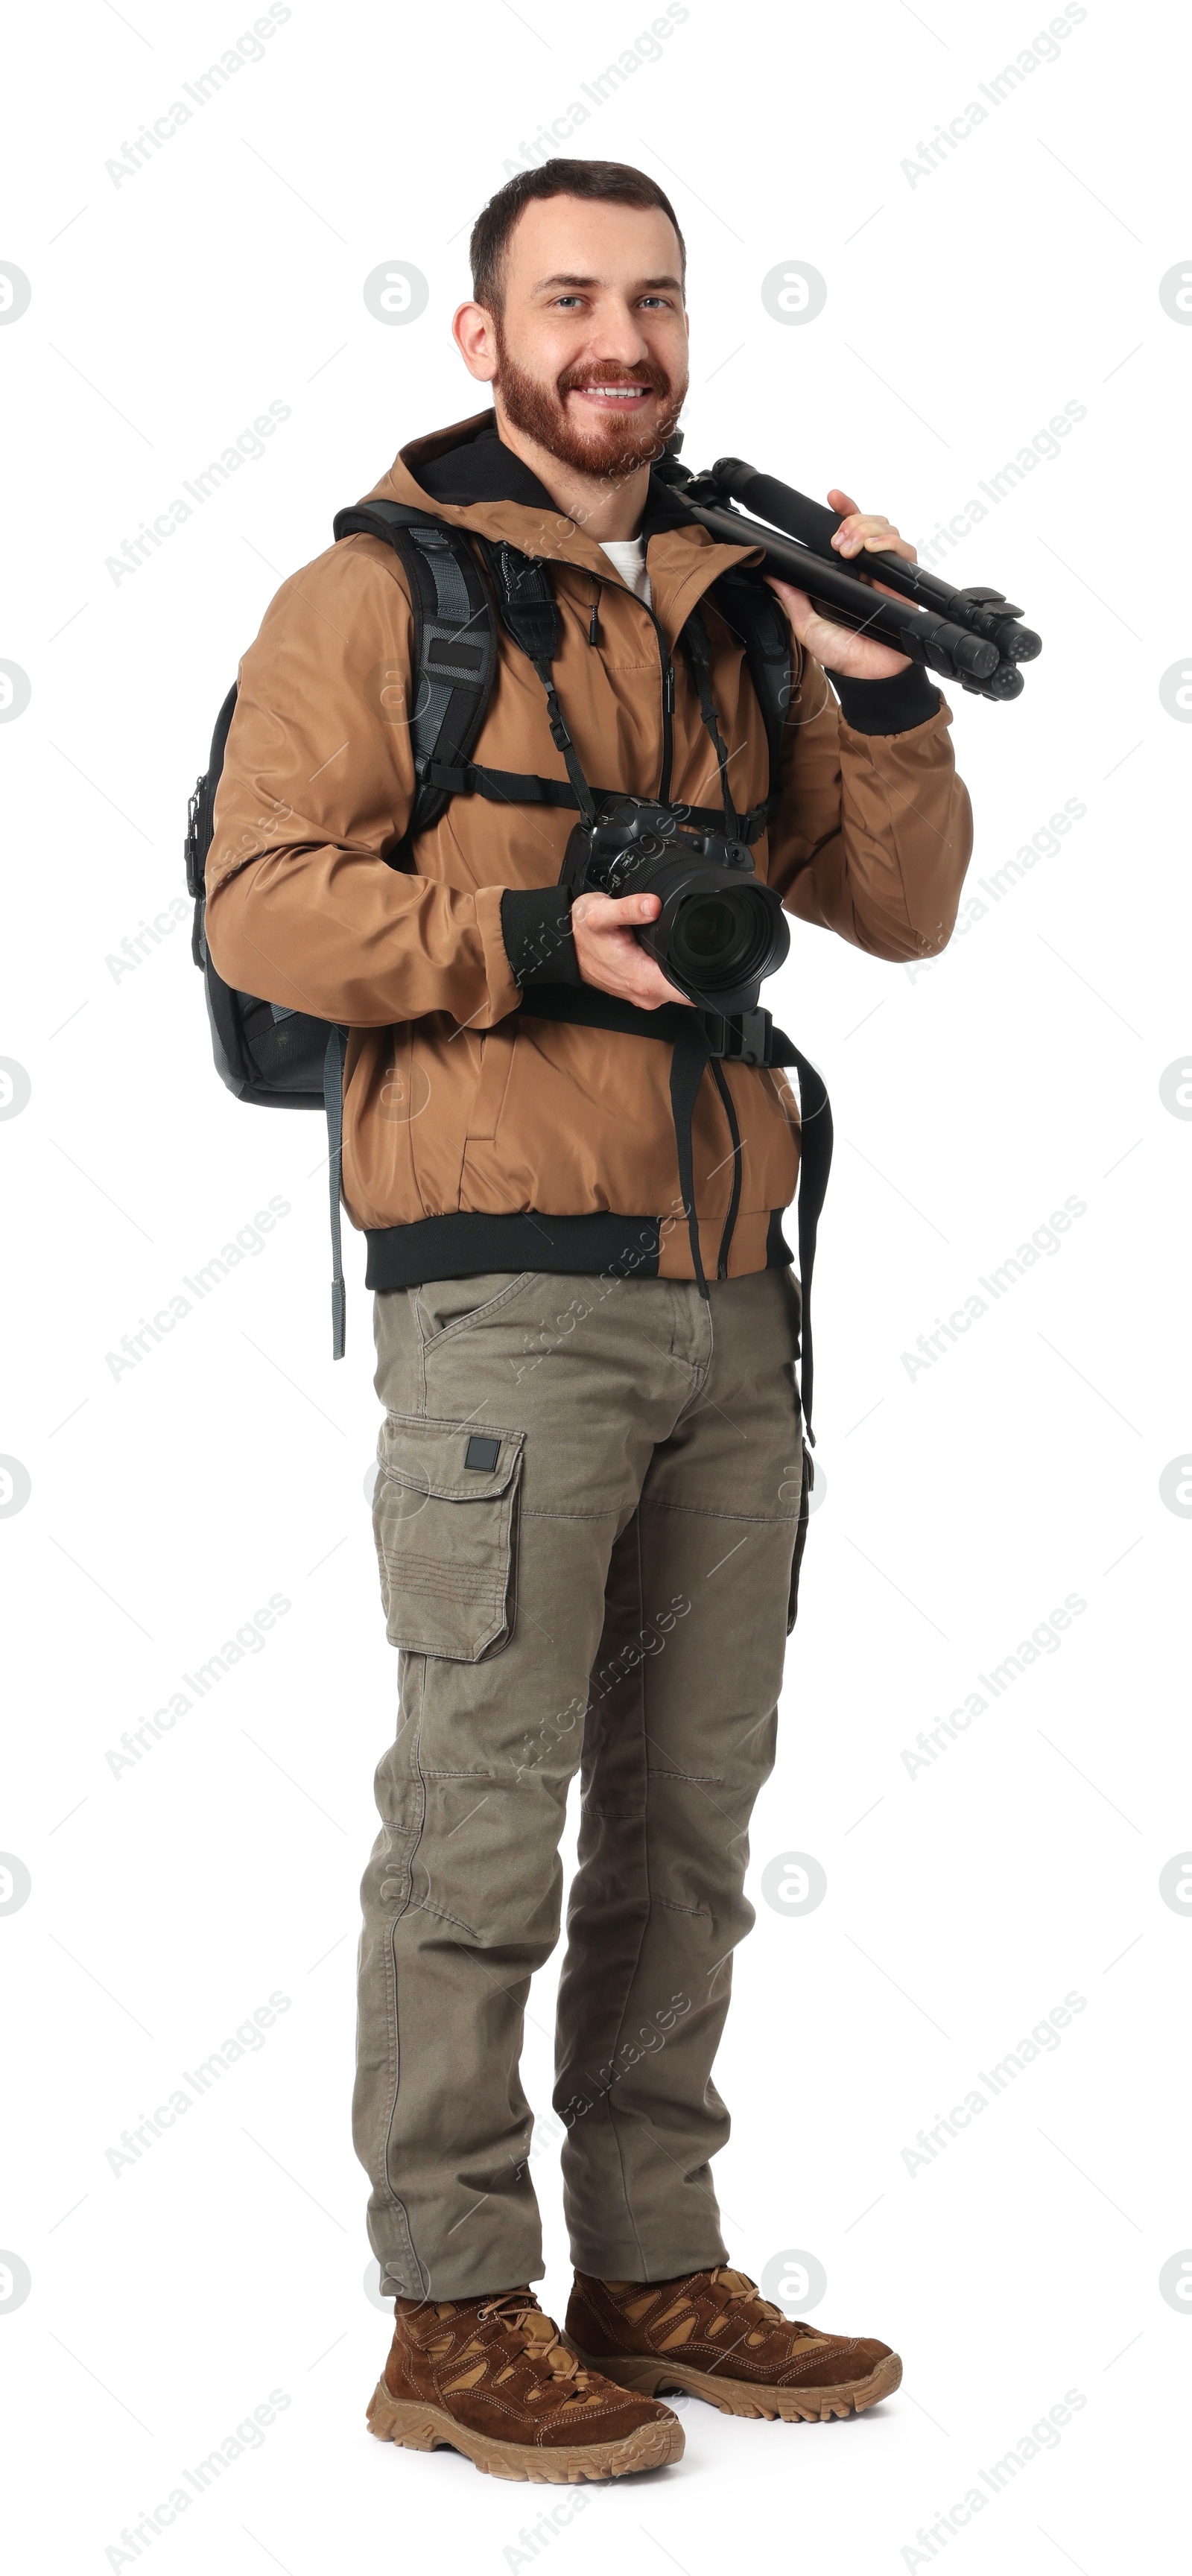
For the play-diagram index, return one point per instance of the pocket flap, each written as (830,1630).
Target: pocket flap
(450,1462)
(448,1575)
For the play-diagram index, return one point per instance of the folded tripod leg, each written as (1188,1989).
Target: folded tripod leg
(984,612)
(951,650)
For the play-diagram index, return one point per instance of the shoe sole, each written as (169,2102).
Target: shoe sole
(645,2378)
(417,2427)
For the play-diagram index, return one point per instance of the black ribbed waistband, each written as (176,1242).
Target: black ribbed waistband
(458,1247)
(466,1245)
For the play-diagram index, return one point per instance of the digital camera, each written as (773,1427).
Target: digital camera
(720,931)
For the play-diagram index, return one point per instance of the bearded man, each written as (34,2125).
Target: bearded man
(592,1487)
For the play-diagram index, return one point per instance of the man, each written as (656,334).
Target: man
(591,1478)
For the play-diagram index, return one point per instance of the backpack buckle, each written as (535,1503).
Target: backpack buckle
(744,1039)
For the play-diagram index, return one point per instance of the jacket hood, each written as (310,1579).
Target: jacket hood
(467,476)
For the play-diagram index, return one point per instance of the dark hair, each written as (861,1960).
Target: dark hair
(613,183)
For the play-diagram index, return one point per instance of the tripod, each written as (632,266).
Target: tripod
(971,636)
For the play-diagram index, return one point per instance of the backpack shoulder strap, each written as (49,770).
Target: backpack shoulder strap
(455,640)
(749,607)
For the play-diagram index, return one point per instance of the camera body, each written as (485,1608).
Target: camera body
(720,931)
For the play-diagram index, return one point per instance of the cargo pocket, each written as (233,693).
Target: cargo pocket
(445,1522)
(800,1536)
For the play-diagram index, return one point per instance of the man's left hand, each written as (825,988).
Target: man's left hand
(858,657)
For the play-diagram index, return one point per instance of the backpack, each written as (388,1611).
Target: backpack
(459,587)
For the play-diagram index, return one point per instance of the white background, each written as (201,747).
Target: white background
(965,1899)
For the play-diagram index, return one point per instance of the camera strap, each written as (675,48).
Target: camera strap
(700,1040)
(530,611)
(694,639)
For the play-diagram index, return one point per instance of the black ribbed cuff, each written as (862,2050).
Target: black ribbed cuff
(896,705)
(536,929)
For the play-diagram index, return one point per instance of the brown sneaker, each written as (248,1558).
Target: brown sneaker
(713,2333)
(491,2378)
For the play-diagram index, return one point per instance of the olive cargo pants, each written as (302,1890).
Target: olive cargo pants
(586,1514)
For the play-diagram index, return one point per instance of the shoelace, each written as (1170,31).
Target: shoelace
(745,2293)
(520,2309)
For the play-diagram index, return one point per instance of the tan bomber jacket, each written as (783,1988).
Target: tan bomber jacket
(477,1138)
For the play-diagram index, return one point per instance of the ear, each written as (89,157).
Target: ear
(476,340)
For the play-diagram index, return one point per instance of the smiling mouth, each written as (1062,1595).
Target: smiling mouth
(623,397)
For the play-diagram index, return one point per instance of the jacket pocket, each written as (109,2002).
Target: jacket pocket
(445,1521)
(492,1083)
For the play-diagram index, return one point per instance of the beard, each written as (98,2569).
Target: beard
(604,446)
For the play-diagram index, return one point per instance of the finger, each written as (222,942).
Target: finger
(796,603)
(632,908)
(877,533)
(602,912)
(866,529)
(620,912)
(840,501)
(890,543)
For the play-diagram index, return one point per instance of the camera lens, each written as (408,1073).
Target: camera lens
(721,940)
(709,931)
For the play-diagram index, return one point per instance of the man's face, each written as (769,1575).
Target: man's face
(590,348)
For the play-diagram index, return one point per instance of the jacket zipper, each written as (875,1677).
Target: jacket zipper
(668,687)
(668,706)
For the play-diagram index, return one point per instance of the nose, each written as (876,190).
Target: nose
(617,336)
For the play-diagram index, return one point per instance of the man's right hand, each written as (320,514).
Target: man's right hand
(611,958)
